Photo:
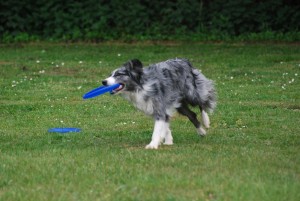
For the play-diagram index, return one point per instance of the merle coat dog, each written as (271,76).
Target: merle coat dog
(163,88)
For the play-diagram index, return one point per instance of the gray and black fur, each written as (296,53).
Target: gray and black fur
(161,88)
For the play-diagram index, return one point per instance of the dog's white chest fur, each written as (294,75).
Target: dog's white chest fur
(137,98)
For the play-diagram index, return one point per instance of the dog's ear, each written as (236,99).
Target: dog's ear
(134,65)
(135,68)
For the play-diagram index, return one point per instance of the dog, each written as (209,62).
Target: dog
(163,88)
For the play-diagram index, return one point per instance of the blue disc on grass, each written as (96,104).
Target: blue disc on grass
(64,130)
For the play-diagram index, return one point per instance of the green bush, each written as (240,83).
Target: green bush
(147,19)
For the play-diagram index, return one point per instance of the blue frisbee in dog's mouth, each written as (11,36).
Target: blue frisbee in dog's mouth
(103,89)
(64,130)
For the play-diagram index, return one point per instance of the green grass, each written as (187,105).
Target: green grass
(251,151)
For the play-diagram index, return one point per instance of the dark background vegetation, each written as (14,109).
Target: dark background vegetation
(98,20)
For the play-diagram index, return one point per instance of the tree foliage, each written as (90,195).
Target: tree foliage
(116,19)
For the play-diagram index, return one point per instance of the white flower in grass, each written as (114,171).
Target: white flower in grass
(291,81)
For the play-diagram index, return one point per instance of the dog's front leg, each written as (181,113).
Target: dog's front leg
(168,136)
(158,133)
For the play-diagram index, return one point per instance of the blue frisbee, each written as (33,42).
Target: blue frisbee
(64,130)
(100,90)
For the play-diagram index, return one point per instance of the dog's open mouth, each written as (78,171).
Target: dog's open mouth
(120,88)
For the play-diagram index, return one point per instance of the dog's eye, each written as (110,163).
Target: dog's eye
(119,74)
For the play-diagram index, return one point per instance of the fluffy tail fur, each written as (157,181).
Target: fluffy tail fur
(204,92)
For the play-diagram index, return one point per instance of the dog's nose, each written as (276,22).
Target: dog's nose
(104,82)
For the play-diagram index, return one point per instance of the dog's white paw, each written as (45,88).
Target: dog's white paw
(152,145)
(201,131)
(168,143)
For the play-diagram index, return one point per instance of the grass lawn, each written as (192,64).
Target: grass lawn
(251,152)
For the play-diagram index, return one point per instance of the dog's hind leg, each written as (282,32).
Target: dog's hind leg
(184,110)
(205,118)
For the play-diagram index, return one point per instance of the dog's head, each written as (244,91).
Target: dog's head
(128,75)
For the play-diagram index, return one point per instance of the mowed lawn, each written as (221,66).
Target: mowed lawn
(251,152)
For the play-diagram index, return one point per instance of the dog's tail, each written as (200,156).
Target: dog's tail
(204,92)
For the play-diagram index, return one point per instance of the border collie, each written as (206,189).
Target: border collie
(163,88)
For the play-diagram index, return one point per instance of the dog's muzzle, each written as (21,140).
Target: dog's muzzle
(120,88)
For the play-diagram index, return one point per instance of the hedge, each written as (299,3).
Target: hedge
(145,19)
